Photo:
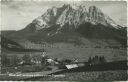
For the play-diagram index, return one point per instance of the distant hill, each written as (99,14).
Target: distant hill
(7,32)
(10,45)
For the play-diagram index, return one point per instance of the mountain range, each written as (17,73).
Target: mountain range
(68,24)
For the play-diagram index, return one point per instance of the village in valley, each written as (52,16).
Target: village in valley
(41,65)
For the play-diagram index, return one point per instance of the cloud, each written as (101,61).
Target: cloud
(16,15)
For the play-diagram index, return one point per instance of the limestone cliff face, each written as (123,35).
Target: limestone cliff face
(73,17)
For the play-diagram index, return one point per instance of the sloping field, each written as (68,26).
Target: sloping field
(82,53)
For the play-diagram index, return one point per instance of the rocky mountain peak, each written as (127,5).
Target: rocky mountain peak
(73,17)
(67,6)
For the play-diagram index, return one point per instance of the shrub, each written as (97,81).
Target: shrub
(96,60)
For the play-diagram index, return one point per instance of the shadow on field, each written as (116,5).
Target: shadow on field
(24,50)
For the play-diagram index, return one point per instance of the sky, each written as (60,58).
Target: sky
(15,15)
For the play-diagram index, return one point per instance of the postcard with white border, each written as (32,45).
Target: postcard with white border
(63,40)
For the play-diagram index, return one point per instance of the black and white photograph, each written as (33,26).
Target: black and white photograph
(63,40)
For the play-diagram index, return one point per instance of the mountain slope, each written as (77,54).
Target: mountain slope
(8,44)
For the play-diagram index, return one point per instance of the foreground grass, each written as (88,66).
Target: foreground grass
(118,75)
